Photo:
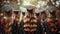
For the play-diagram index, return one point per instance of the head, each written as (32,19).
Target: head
(42,15)
(52,16)
(51,13)
(30,8)
(8,13)
(57,13)
(7,10)
(17,15)
(31,11)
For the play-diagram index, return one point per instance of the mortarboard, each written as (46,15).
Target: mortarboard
(30,8)
(16,11)
(6,8)
(51,8)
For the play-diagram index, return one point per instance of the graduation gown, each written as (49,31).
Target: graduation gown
(2,26)
(39,28)
(14,27)
(58,29)
(48,28)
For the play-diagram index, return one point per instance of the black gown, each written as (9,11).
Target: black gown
(58,30)
(1,28)
(39,28)
(46,28)
(14,27)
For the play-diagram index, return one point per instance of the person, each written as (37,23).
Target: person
(8,18)
(57,13)
(16,23)
(58,18)
(1,24)
(42,18)
(51,24)
(30,24)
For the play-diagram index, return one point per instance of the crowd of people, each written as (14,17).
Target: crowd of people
(17,22)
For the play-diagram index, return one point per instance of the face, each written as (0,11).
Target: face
(57,13)
(8,14)
(17,16)
(52,18)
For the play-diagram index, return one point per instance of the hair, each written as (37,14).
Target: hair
(52,13)
(8,13)
(30,11)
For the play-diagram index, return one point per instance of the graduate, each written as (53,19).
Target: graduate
(16,23)
(42,18)
(51,24)
(30,24)
(1,24)
(8,18)
(57,13)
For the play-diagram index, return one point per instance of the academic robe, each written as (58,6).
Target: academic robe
(58,29)
(39,28)
(2,26)
(14,27)
(48,27)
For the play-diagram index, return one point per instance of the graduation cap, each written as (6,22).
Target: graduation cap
(30,11)
(29,8)
(16,11)
(52,10)
(40,10)
(7,9)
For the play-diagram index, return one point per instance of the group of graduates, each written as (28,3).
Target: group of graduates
(16,22)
